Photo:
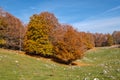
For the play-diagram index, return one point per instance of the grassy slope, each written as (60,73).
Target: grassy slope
(105,65)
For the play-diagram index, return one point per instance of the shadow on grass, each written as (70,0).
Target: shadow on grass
(52,58)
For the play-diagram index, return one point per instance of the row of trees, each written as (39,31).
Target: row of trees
(45,36)
(103,40)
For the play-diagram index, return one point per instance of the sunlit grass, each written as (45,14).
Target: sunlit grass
(105,65)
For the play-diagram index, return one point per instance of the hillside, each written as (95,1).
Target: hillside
(98,64)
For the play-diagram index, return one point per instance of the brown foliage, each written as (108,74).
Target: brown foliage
(12,28)
(67,44)
(116,37)
(103,39)
(87,39)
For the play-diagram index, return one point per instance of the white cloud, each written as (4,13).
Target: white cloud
(112,9)
(99,25)
(107,13)
(104,22)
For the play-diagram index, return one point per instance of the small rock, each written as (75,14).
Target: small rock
(95,79)
(87,78)
(118,70)
(105,72)
(112,77)
(16,61)
(64,68)
(77,76)
(89,73)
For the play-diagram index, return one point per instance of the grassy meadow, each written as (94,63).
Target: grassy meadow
(97,64)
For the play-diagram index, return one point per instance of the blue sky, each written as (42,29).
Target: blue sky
(101,16)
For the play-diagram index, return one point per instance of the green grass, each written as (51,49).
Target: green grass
(104,65)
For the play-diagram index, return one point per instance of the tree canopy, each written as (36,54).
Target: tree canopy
(11,30)
(37,39)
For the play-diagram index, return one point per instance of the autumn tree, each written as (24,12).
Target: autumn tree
(11,30)
(87,39)
(67,45)
(2,32)
(116,37)
(109,40)
(37,38)
(100,39)
(3,26)
(103,39)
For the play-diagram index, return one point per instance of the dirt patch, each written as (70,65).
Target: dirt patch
(80,64)
(115,46)
(92,50)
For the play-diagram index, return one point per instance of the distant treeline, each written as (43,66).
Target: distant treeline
(45,36)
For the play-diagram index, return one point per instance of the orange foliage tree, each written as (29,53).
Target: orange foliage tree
(67,44)
(37,38)
(87,39)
